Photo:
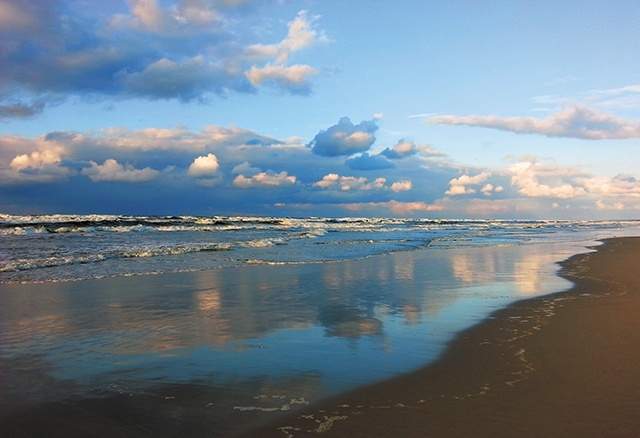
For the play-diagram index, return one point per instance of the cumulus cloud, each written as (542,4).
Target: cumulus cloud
(63,153)
(205,165)
(402,149)
(37,167)
(35,160)
(234,158)
(175,49)
(333,181)
(265,179)
(620,186)
(344,138)
(460,186)
(38,160)
(346,183)
(487,189)
(578,121)
(112,171)
(402,186)
(535,179)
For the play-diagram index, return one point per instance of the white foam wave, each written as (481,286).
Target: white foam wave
(49,262)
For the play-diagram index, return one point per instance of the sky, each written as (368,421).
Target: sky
(413,108)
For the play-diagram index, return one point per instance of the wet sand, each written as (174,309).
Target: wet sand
(563,365)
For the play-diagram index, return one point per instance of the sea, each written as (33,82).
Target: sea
(76,247)
(208,326)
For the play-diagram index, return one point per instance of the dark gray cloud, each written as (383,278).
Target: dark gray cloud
(187,81)
(21,110)
(344,138)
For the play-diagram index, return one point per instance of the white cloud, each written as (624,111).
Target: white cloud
(346,183)
(112,171)
(205,165)
(534,179)
(402,149)
(265,179)
(488,189)
(294,78)
(620,186)
(401,186)
(328,180)
(35,160)
(459,190)
(333,181)
(42,165)
(460,186)
(578,121)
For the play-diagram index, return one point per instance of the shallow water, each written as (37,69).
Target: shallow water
(220,350)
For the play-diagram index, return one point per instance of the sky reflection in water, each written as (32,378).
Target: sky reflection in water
(297,331)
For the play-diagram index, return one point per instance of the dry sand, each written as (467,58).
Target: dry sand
(563,365)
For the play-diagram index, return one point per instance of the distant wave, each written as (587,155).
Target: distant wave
(74,223)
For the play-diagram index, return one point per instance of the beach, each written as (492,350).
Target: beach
(333,348)
(564,365)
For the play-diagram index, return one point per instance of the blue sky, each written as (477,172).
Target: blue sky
(500,109)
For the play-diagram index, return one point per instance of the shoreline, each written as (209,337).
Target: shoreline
(564,364)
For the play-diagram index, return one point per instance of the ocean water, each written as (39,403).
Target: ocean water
(239,320)
(72,247)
